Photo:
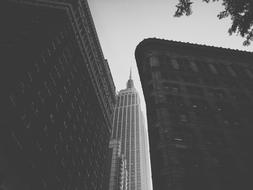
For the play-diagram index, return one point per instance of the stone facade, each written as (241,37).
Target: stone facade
(199,107)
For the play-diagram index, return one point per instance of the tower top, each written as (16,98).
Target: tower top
(130,82)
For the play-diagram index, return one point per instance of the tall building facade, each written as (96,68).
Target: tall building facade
(118,178)
(57,97)
(199,107)
(129,128)
(123,173)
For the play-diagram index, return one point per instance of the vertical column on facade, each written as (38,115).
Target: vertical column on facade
(130,146)
(114,122)
(132,149)
(122,120)
(139,140)
(119,123)
(125,133)
(129,128)
(135,139)
(143,163)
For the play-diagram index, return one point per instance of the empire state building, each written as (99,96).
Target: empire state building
(129,128)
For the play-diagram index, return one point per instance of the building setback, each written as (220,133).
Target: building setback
(199,108)
(129,128)
(57,97)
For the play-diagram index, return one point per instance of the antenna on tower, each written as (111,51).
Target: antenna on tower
(130,76)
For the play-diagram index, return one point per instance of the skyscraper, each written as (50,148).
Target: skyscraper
(57,97)
(118,178)
(129,128)
(199,107)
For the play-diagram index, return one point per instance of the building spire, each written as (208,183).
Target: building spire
(130,76)
(130,82)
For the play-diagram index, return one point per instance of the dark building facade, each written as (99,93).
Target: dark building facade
(57,97)
(199,108)
(129,128)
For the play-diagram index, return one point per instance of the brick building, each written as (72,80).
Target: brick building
(199,108)
(57,97)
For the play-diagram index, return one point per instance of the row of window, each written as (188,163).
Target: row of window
(217,94)
(57,121)
(97,62)
(200,110)
(212,81)
(166,63)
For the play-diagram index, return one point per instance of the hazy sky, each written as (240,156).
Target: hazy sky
(122,24)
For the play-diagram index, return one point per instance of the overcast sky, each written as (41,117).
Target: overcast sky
(122,24)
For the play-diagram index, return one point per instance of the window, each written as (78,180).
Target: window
(175,64)
(13,100)
(232,122)
(222,69)
(154,61)
(203,68)
(29,75)
(36,67)
(230,83)
(172,88)
(190,79)
(200,104)
(183,117)
(239,70)
(184,64)
(225,110)
(166,64)
(182,138)
(193,66)
(240,97)
(169,76)
(213,69)
(160,98)
(176,102)
(202,110)
(249,73)
(217,93)
(194,90)
(231,71)
(210,81)
(16,140)
(52,118)
(156,75)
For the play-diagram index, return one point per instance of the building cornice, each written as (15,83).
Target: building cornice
(192,49)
